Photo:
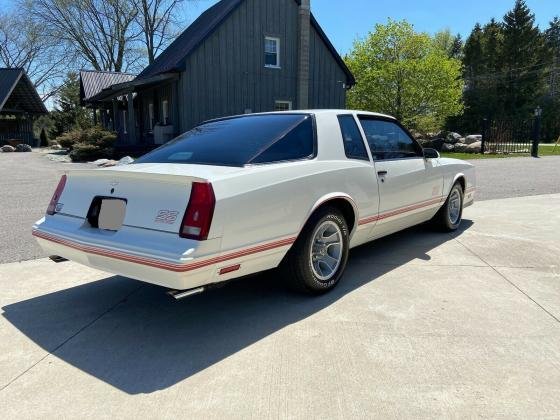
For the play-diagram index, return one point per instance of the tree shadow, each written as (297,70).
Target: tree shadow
(148,342)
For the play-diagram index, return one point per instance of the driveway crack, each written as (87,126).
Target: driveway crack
(508,280)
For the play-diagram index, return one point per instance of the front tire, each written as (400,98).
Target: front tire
(449,217)
(318,258)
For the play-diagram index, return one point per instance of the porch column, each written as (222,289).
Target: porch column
(115,114)
(131,119)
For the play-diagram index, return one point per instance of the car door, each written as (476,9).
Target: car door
(410,187)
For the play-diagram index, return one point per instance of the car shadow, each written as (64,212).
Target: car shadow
(148,342)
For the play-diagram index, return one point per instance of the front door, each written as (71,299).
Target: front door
(410,187)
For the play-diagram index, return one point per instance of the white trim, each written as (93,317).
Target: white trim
(278,51)
(289,103)
(165,112)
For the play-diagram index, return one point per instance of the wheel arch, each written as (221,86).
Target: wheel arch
(343,202)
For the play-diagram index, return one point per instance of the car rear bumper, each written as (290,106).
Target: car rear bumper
(155,257)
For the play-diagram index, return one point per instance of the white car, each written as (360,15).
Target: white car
(244,194)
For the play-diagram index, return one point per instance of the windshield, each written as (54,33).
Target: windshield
(240,141)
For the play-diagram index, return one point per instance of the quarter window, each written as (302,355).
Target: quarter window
(387,140)
(352,138)
(272,52)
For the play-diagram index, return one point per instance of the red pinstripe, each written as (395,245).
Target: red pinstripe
(401,210)
(161,264)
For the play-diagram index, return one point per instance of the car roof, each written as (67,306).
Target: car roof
(309,111)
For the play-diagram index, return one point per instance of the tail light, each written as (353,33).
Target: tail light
(51,209)
(198,217)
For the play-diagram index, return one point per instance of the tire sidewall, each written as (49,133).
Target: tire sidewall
(450,225)
(312,282)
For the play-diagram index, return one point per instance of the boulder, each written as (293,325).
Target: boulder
(475,147)
(437,143)
(462,140)
(452,138)
(473,138)
(127,160)
(56,146)
(460,147)
(8,149)
(101,162)
(447,147)
(23,148)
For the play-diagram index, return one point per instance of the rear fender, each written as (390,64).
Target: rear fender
(330,197)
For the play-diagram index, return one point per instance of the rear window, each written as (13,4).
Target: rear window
(240,141)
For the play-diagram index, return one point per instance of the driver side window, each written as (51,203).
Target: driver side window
(387,140)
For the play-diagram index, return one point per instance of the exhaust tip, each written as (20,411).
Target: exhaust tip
(57,259)
(182,294)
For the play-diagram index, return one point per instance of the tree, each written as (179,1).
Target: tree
(523,59)
(552,41)
(402,73)
(113,35)
(158,23)
(446,41)
(68,113)
(23,45)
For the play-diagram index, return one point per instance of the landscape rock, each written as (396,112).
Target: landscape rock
(8,149)
(23,148)
(438,143)
(462,140)
(56,146)
(473,138)
(127,160)
(101,162)
(460,148)
(447,147)
(453,138)
(474,147)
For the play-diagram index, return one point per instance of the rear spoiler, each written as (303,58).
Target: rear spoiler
(108,173)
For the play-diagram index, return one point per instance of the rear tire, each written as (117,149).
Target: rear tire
(449,217)
(317,260)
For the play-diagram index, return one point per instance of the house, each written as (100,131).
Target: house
(240,56)
(20,104)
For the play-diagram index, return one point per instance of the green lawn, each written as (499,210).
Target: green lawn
(543,151)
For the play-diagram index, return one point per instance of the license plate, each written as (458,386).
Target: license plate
(111,214)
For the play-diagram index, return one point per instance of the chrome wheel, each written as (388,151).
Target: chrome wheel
(326,250)
(454,207)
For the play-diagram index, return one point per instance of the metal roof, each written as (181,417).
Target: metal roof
(174,56)
(17,93)
(93,82)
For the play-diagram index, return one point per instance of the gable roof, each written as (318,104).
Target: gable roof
(93,82)
(18,93)
(173,57)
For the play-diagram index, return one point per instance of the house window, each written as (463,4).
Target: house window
(124,122)
(272,52)
(151,116)
(165,112)
(282,106)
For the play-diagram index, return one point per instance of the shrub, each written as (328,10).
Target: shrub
(89,144)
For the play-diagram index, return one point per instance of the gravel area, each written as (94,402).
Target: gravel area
(27,182)
(517,177)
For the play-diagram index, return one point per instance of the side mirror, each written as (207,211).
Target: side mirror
(431,154)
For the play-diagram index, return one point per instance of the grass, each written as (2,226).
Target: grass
(544,150)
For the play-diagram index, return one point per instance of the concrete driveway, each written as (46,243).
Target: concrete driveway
(423,325)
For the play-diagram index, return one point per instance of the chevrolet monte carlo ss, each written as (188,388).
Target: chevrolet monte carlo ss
(244,194)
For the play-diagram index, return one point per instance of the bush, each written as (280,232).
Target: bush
(90,144)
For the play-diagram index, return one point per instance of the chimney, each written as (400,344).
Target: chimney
(304,32)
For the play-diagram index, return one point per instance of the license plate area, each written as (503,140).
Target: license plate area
(107,213)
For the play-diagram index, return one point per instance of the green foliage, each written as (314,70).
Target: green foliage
(406,74)
(89,144)
(505,68)
(69,114)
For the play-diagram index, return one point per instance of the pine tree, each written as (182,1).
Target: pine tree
(522,56)
(473,70)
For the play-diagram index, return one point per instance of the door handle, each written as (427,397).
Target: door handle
(382,173)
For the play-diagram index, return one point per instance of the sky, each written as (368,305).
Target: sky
(355,18)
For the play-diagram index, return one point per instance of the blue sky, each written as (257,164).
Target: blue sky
(355,18)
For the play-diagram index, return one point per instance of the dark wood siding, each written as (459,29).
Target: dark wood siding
(226,74)
(326,78)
